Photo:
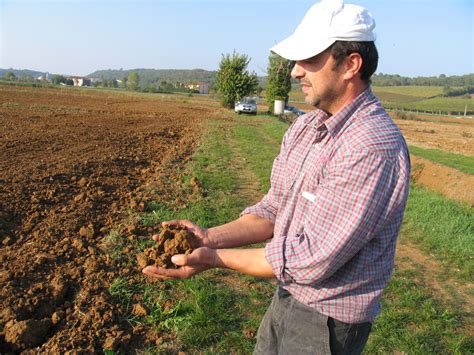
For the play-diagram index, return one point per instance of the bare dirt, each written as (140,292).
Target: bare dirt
(447,181)
(450,134)
(74,165)
(171,241)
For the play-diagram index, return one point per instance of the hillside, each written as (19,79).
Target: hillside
(22,72)
(158,75)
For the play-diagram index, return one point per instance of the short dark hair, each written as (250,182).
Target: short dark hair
(367,50)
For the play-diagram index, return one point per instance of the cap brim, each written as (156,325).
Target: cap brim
(294,48)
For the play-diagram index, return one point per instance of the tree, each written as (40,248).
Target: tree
(233,80)
(124,82)
(278,79)
(26,79)
(133,80)
(9,75)
(109,83)
(58,79)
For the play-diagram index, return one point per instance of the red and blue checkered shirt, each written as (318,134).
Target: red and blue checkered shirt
(338,192)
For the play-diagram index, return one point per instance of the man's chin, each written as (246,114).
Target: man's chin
(312,101)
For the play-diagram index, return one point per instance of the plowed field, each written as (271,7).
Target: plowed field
(73,165)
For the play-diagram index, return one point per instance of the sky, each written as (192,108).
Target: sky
(78,37)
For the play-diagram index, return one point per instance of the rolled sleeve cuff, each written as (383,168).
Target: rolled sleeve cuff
(260,210)
(275,255)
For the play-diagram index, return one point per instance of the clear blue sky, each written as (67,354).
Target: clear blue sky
(77,37)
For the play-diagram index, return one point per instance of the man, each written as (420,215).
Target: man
(336,202)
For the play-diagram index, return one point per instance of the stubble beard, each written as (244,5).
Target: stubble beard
(324,100)
(314,101)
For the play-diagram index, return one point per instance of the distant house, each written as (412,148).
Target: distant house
(203,88)
(80,81)
(45,77)
(200,86)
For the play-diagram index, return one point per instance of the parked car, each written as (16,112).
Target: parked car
(293,109)
(246,105)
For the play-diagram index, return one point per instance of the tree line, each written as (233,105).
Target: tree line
(441,80)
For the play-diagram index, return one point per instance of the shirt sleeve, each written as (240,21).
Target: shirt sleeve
(354,200)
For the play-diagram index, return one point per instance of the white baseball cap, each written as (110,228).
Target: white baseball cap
(325,23)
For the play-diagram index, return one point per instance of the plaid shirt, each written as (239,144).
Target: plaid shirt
(338,192)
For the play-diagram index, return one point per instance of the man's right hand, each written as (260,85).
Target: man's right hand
(199,232)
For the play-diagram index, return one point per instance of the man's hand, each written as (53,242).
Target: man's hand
(200,233)
(198,261)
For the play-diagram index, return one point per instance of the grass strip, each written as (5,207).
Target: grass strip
(457,161)
(441,227)
(259,142)
(413,322)
(218,311)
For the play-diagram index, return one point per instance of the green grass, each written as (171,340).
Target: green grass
(415,92)
(414,322)
(421,98)
(443,228)
(452,105)
(260,143)
(393,98)
(457,161)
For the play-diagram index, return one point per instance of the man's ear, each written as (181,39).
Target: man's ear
(353,64)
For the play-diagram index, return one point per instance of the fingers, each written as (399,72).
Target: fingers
(179,223)
(192,264)
(180,259)
(159,273)
(200,256)
(191,259)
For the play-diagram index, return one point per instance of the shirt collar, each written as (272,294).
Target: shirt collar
(323,121)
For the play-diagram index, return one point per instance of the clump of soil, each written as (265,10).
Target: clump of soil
(171,241)
(26,334)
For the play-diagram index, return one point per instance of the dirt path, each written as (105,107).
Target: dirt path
(249,185)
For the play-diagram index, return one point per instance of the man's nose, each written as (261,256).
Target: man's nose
(297,72)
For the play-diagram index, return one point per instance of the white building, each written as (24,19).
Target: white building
(80,81)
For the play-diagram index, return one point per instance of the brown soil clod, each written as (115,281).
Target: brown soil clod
(26,334)
(171,241)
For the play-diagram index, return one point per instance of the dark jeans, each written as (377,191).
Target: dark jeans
(290,327)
